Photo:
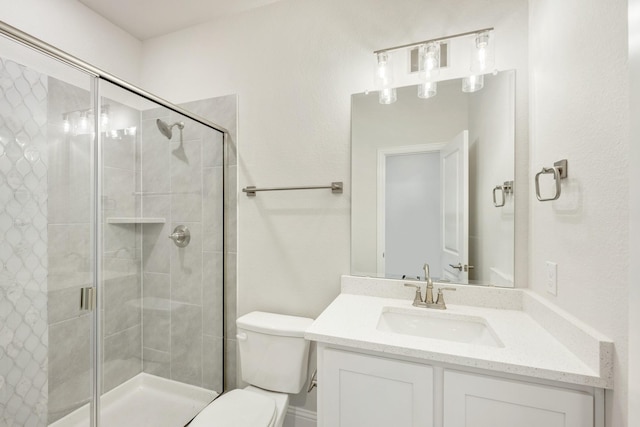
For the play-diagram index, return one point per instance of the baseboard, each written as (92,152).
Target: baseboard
(299,417)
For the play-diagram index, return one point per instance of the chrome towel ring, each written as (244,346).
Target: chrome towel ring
(559,171)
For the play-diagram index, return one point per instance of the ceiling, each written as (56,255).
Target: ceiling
(145,19)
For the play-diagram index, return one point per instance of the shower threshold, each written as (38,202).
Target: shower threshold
(145,401)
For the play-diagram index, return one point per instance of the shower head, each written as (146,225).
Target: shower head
(165,129)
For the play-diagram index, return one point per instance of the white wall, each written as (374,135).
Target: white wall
(634,232)
(579,111)
(294,65)
(76,29)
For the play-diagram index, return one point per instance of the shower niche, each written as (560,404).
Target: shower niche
(94,179)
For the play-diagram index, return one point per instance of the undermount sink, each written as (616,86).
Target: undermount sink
(440,326)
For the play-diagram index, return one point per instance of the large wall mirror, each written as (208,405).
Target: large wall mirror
(432,183)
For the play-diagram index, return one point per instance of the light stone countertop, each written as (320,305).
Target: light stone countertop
(569,352)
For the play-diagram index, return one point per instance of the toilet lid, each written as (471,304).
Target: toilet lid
(238,408)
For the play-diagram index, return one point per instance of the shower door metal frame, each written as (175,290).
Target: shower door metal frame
(97,75)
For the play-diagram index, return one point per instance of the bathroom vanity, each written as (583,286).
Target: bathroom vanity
(494,358)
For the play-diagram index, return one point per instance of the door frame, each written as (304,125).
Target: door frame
(382,155)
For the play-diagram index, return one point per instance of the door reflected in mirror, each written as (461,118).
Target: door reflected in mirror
(424,175)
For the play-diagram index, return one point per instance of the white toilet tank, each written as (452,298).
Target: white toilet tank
(273,352)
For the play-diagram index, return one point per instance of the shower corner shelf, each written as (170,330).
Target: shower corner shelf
(135,220)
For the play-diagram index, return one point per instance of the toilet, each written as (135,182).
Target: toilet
(274,361)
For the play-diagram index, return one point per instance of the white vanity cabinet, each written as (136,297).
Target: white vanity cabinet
(472,400)
(363,390)
(376,390)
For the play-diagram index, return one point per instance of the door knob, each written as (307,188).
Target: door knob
(461,267)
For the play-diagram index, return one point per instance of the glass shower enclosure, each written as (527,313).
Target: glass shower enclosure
(111,249)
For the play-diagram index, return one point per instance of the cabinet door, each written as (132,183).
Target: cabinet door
(359,390)
(479,401)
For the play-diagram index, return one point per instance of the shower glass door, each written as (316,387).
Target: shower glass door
(162,258)
(111,252)
(47,238)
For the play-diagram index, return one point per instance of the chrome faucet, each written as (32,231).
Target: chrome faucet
(428,300)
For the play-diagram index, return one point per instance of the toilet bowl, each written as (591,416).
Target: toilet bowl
(273,360)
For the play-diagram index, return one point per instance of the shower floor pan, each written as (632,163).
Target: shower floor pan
(145,401)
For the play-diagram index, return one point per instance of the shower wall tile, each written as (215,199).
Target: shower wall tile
(156,248)
(213,151)
(186,268)
(69,366)
(69,255)
(212,293)
(69,178)
(63,304)
(118,189)
(119,152)
(157,312)
(157,206)
(231,210)
(156,159)
(230,295)
(186,343)
(122,296)
(121,240)
(156,362)
(231,363)
(183,184)
(186,207)
(213,208)
(23,246)
(122,359)
(222,110)
(155,113)
(212,362)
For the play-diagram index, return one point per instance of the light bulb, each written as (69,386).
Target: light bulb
(104,117)
(427,90)
(482,54)
(66,125)
(387,96)
(472,83)
(384,71)
(84,122)
(429,61)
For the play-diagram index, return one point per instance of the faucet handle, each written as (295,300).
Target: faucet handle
(440,299)
(417,299)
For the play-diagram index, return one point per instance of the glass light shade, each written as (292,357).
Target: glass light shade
(427,90)
(387,96)
(66,124)
(482,53)
(384,71)
(472,83)
(84,122)
(429,61)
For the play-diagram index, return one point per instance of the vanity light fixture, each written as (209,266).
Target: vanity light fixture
(482,53)
(66,124)
(81,121)
(472,83)
(384,79)
(482,62)
(427,90)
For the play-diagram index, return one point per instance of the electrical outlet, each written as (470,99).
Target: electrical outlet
(552,278)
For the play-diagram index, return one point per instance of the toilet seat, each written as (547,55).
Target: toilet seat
(238,408)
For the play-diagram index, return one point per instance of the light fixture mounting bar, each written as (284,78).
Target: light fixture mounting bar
(439,39)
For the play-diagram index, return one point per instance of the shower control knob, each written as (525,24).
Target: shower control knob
(181,236)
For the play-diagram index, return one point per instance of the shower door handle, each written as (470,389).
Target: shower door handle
(88,298)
